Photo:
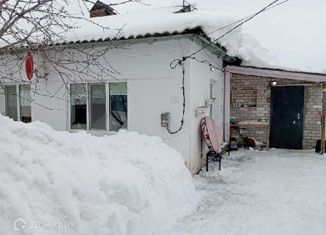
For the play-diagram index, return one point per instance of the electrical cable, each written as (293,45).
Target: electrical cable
(242,21)
(181,63)
(234,28)
(208,63)
(244,18)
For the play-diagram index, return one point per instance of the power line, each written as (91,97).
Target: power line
(243,21)
(244,18)
(207,62)
(181,62)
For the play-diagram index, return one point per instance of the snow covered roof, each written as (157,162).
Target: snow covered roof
(159,21)
(163,21)
(277,73)
(153,22)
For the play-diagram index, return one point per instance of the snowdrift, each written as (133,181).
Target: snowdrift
(61,183)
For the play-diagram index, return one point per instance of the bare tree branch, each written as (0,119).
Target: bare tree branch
(41,26)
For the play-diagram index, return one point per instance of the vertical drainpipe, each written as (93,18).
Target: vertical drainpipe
(323,121)
(226,110)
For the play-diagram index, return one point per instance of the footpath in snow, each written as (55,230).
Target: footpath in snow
(277,192)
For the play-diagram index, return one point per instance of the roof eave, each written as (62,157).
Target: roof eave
(194,31)
(277,73)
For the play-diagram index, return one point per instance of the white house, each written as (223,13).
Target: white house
(144,87)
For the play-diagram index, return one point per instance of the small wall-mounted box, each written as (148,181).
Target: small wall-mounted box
(210,102)
(200,111)
(165,119)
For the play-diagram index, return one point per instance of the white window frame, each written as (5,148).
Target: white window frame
(88,109)
(109,102)
(88,117)
(87,106)
(17,98)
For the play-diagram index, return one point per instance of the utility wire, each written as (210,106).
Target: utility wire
(243,21)
(181,62)
(244,18)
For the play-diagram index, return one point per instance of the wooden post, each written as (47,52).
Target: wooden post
(323,123)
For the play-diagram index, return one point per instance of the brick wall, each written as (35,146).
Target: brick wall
(312,124)
(246,89)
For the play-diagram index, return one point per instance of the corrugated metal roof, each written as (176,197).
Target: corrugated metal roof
(195,30)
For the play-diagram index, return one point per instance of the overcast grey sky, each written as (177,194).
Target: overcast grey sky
(295,32)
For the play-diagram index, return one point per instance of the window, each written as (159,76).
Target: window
(78,109)
(25,103)
(118,106)
(18,107)
(244,98)
(88,109)
(11,102)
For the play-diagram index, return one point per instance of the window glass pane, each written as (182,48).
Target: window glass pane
(97,93)
(11,102)
(25,103)
(118,106)
(78,100)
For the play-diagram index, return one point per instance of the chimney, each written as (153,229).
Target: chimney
(186,7)
(101,9)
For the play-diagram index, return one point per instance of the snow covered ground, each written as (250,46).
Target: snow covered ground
(276,192)
(66,184)
(58,183)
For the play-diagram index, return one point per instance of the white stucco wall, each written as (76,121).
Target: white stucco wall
(11,74)
(201,76)
(153,88)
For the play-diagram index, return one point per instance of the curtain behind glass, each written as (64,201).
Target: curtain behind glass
(98,111)
(11,102)
(118,106)
(25,103)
